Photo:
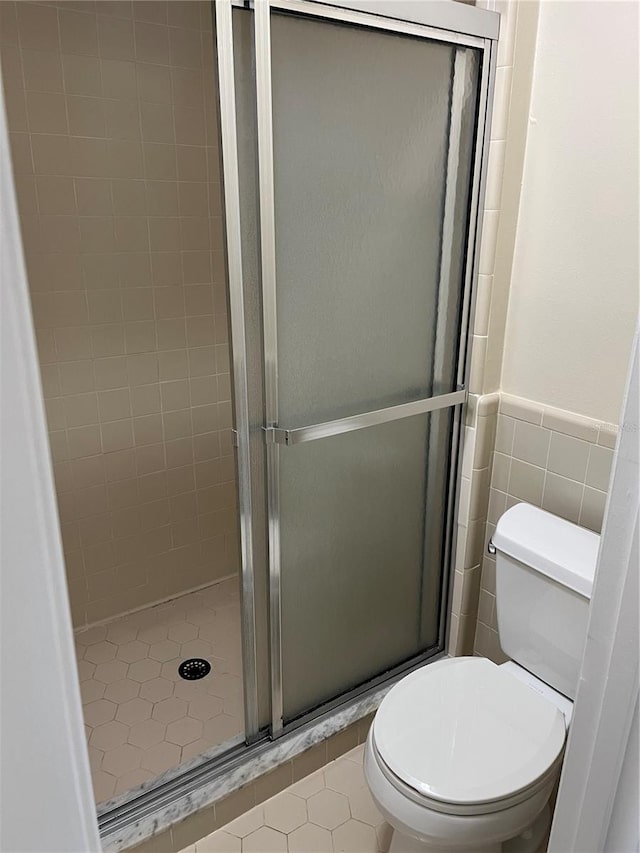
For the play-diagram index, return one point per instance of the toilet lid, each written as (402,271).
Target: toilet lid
(463,731)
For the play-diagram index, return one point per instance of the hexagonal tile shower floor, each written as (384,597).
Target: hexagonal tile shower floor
(141,717)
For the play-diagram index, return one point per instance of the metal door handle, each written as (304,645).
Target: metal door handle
(287,437)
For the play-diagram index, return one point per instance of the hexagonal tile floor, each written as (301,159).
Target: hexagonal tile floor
(330,811)
(141,717)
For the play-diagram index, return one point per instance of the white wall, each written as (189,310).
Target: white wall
(597,808)
(574,286)
(45,786)
(623,834)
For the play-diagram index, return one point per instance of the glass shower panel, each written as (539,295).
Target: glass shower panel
(360,140)
(360,591)
(373,143)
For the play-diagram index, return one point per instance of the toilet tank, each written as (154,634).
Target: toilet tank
(544,577)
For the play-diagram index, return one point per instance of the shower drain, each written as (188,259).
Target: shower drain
(194,668)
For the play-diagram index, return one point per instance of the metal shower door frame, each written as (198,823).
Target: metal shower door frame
(436,22)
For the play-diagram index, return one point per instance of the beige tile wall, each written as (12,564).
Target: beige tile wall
(549,458)
(489,292)
(516,55)
(482,410)
(112,112)
(479,438)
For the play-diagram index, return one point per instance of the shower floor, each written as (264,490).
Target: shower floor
(141,717)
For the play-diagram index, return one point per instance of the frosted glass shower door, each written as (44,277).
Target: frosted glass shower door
(366,142)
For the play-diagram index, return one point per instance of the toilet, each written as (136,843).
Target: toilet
(463,754)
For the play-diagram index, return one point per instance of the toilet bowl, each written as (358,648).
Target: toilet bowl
(463,754)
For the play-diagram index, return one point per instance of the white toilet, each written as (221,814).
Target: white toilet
(463,755)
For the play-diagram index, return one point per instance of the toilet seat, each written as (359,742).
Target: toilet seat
(462,736)
(470,809)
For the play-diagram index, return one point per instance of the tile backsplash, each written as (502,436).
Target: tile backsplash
(112,114)
(561,473)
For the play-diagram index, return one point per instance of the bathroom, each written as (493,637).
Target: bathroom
(208,436)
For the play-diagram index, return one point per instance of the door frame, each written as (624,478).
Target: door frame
(47,803)
(451,23)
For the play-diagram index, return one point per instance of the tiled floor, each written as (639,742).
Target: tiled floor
(327,812)
(141,717)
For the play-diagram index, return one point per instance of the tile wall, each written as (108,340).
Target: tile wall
(114,137)
(514,450)
(552,459)
(488,290)
(482,410)
(472,518)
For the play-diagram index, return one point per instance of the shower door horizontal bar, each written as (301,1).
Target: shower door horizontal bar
(287,437)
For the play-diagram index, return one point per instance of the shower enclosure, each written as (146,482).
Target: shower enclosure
(352,145)
(279,502)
